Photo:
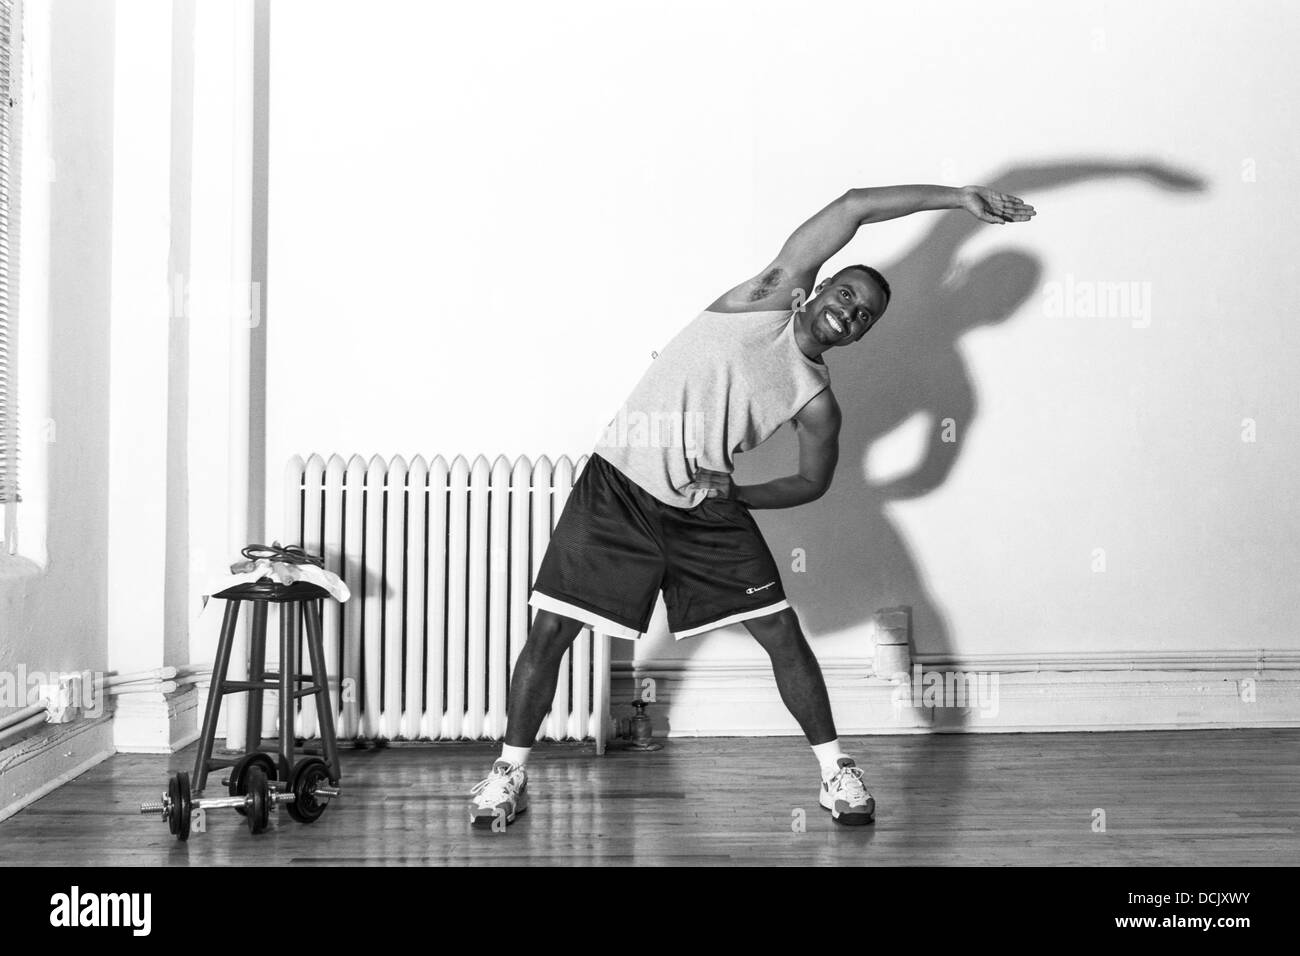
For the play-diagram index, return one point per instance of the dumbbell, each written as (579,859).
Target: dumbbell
(178,805)
(252,794)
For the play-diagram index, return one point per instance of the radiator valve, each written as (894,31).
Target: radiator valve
(641,729)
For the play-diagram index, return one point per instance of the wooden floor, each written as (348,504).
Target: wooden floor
(1195,797)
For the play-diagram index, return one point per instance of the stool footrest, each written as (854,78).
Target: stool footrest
(298,678)
(238,686)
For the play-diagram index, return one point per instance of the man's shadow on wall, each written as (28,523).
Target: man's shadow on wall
(857,561)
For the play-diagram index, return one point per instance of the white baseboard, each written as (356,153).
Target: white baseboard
(1002,694)
(154,723)
(50,758)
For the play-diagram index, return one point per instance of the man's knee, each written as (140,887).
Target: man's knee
(777,630)
(552,633)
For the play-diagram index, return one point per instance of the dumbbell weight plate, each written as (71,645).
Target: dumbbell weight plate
(259,806)
(239,774)
(186,806)
(306,808)
(173,805)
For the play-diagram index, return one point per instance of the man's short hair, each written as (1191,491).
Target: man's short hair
(876,277)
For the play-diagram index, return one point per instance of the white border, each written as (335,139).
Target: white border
(736,618)
(544,602)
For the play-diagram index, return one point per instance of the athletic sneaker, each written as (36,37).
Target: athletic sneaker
(846,797)
(502,794)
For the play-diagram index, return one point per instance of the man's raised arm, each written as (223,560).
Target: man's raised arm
(830,230)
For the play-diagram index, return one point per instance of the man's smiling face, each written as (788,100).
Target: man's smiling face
(845,307)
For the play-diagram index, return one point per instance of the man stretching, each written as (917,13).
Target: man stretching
(655,508)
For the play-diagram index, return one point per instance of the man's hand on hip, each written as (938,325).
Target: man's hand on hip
(716,484)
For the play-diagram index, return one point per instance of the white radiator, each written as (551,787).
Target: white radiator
(440,561)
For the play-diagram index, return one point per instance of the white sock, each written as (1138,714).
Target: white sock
(828,755)
(516,756)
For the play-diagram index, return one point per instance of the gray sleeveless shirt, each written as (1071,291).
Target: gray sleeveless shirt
(723,385)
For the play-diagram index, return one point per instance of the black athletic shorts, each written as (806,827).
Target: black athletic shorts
(616,547)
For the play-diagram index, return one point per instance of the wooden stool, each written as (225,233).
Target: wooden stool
(291,686)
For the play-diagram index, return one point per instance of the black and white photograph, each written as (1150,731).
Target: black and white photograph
(608,435)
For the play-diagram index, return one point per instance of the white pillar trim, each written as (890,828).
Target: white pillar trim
(223,307)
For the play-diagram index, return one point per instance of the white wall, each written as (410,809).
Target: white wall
(483,219)
(53,592)
(100,578)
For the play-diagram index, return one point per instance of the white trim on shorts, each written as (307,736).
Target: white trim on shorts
(736,618)
(544,602)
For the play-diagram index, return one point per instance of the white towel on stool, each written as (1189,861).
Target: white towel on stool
(283,572)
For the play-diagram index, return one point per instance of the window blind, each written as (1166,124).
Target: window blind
(10,37)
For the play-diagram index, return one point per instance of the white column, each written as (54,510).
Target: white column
(222,311)
(138,350)
(243,305)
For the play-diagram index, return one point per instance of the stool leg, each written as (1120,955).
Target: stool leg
(288,667)
(216,689)
(256,672)
(324,706)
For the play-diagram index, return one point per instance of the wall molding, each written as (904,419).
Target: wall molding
(1006,693)
(45,761)
(155,723)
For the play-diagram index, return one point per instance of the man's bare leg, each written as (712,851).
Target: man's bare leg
(803,691)
(798,675)
(503,794)
(537,671)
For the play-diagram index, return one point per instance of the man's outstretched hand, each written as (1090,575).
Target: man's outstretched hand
(992,206)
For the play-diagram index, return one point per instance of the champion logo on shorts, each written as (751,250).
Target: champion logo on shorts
(761,588)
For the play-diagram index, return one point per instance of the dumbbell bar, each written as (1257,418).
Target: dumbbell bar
(280,796)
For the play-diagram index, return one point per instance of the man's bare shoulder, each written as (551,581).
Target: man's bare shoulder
(821,413)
